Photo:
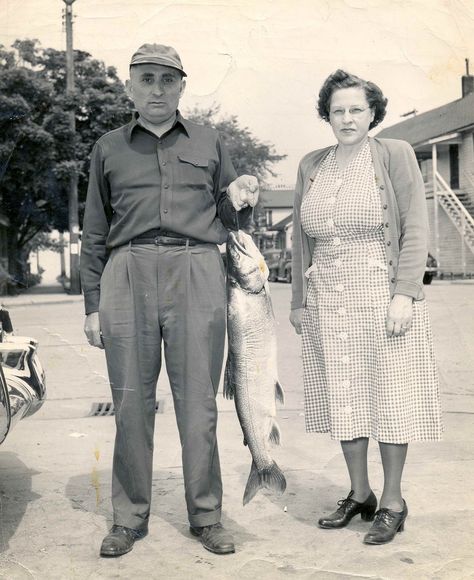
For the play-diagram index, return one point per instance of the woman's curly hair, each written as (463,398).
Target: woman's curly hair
(344,80)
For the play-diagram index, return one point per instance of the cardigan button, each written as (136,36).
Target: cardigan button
(382,187)
(389,243)
(391,262)
(386,225)
(393,280)
(385,206)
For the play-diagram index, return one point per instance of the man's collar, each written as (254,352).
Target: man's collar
(182,123)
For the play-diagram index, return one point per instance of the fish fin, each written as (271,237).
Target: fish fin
(253,484)
(267,292)
(229,388)
(272,479)
(275,435)
(279,393)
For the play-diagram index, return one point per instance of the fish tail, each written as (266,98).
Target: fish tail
(271,478)
(279,393)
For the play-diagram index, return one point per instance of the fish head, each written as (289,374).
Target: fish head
(245,264)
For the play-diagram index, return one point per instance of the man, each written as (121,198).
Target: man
(162,193)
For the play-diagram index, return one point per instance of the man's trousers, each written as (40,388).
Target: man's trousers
(176,294)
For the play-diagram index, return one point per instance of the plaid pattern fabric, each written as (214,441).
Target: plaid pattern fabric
(357,381)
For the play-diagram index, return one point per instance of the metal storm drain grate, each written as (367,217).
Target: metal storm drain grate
(107,409)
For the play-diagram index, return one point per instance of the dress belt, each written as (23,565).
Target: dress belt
(164,238)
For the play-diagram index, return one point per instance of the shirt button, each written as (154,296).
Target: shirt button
(339,287)
(166,186)
(343,335)
(331,199)
(337,241)
(341,311)
(165,211)
(345,359)
(338,263)
(164,163)
(346,384)
(347,410)
(330,222)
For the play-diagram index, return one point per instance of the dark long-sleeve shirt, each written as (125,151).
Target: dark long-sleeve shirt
(140,182)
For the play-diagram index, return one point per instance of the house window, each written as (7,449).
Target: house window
(454,166)
(426,166)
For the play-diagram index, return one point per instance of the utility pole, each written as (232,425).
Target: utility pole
(72,199)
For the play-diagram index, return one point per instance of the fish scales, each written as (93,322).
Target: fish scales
(251,369)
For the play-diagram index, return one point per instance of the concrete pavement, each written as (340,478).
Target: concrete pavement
(55,473)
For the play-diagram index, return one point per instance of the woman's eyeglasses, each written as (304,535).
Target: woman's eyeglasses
(353,112)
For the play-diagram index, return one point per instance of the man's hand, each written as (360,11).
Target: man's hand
(296,316)
(399,316)
(243,192)
(92,330)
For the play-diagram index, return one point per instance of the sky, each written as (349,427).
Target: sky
(265,60)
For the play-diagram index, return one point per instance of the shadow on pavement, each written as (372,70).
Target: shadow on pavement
(90,492)
(15,495)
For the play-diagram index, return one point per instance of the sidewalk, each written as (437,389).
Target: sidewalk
(40,295)
(55,474)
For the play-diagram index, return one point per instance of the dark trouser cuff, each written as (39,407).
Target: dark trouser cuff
(206,519)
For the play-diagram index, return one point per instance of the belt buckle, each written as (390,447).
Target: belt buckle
(156,241)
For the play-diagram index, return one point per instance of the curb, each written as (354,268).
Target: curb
(23,302)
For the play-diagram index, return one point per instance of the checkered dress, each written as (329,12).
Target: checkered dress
(357,381)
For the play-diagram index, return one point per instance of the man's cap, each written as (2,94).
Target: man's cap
(158,54)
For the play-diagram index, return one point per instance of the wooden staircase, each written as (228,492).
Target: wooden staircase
(460,210)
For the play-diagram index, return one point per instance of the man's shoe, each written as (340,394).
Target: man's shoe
(386,525)
(215,539)
(348,508)
(120,540)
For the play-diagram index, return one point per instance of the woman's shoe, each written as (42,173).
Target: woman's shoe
(348,508)
(387,523)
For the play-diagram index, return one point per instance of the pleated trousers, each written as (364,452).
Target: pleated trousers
(175,296)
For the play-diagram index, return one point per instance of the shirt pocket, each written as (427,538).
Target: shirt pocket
(193,172)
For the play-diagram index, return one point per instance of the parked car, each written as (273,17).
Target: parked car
(272,256)
(280,269)
(22,380)
(431,269)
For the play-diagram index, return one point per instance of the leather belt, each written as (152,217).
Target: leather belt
(164,238)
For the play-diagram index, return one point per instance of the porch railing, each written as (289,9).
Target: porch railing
(458,214)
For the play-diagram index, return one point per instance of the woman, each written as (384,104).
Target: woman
(360,233)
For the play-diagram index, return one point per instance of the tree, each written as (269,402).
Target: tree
(38,152)
(249,155)
(36,145)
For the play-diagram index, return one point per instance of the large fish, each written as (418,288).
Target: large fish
(251,369)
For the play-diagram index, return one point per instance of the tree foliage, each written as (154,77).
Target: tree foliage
(249,155)
(38,151)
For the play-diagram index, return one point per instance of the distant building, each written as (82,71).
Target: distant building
(275,227)
(443,140)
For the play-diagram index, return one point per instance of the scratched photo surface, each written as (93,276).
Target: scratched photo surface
(262,62)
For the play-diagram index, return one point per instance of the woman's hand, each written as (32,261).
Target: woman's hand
(296,317)
(399,316)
